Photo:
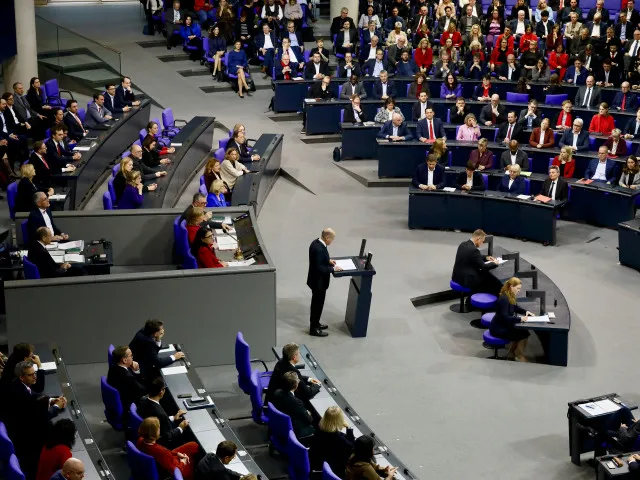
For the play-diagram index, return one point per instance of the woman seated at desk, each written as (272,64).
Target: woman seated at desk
(120,180)
(194,218)
(26,189)
(361,465)
(512,182)
(132,195)
(630,177)
(616,144)
(231,168)
(565,162)
(329,444)
(216,195)
(183,458)
(602,123)
(470,179)
(164,143)
(385,113)
(440,151)
(203,249)
(482,158)
(450,88)
(470,131)
(212,172)
(508,314)
(150,156)
(57,448)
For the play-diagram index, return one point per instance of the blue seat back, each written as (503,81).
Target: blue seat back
(112,404)
(110,354)
(189,262)
(31,272)
(12,193)
(107,203)
(279,428)
(342,115)
(449,117)
(134,421)
(112,191)
(556,99)
(14,472)
(243,363)
(6,445)
(485,180)
(255,395)
(81,114)
(339,90)
(223,142)
(167,119)
(142,134)
(527,186)
(182,239)
(25,232)
(299,467)
(219,154)
(143,466)
(327,473)
(116,168)
(517,97)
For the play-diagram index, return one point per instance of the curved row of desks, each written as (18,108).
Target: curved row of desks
(629,243)
(99,149)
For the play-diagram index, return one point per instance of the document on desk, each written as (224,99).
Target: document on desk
(600,407)
(539,319)
(52,246)
(524,197)
(219,231)
(525,174)
(48,366)
(82,149)
(74,258)
(310,100)
(448,189)
(369,124)
(174,370)
(57,256)
(346,264)
(242,263)
(499,261)
(78,244)
(176,144)
(58,196)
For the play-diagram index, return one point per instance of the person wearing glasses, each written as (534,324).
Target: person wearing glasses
(203,249)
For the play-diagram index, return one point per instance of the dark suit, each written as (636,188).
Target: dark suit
(486,114)
(523,121)
(318,278)
(353,40)
(504,129)
(305,391)
(604,13)
(336,24)
(129,387)
(581,95)
(36,220)
(370,65)
(458,119)
(76,130)
(145,352)
(211,468)
(470,271)
(310,69)
(518,187)
(316,91)
(43,172)
(169,433)
(416,110)
(335,448)
(422,128)
(421,176)
(562,189)
(631,127)
(570,74)
(39,256)
(24,198)
(610,170)
(280,74)
(111,104)
(57,154)
(342,72)
(521,159)
(349,116)
(391,89)
(289,404)
(614,76)
(478,182)
(124,98)
(387,130)
(479,90)
(631,102)
(583,139)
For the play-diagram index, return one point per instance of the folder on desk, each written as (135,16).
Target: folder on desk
(585,181)
(82,149)
(525,174)
(542,198)
(52,246)
(59,196)
(539,319)
(48,366)
(76,245)
(74,258)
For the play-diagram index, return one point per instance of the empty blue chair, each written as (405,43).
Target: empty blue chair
(255,395)
(592,143)
(307,55)
(327,473)
(31,272)
(110,354)
(629,145)
(12,193)
(556,99)
(223,142)
(464,291)
(182,240)
(299,466)
(52,92)
(485,180)
(25,232)
(14,472)
(243,364)
(517,97)
(107,203)
(202,180)
(112,404)
(6,447)
(279,428)
(169,123)
(483,302)
(133,421)
(487,318)
(493,343)
(116,168)
(142,134)
(189,262)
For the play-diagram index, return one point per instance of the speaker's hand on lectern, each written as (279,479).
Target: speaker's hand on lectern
(337,269)
(332,262)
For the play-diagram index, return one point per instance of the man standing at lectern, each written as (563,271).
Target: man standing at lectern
(320,268)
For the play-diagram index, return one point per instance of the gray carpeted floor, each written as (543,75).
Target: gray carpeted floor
(419,378)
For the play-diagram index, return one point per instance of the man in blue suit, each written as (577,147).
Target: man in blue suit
(429,128)
(576,74)
(632,129)
(576,138)
(266,45)
(384,88)
(429,175)
(601,169)
(395,130)
(624,100)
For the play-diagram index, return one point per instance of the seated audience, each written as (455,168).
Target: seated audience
(77,131)
(183,458)
(624,100)
(124,375)
(150,156)
(199,200)
(430,129)
(217,49)
(308,386)
(494,113)
(58,153)
(40,257)
(203,249)
(601,169)
(450,88)
(617,146)
(630,177)
(564,161)
(395,130)
(576,138)
(469,131)
(125,98)
(353,87)
(470,179)
(139,165)
(361,465)
(213,465)
(385,114)
(239,142)
(171,427)
(286,401)
(41,216)
(316,69)
(423,56)
(383,88)
(482,158)
(329,444)
(21,352)
(602,123)
(418,85)
(44,170)
(238,65)
(145,346)
(508,314)
(542,136)
(57,448)
(211,173)
(485,90)
(530,117)
(120,180)
(73,469)
(216,195)
(512,182)
(632,129)
(514,156)
(164,143)
(564,120)
(97,116)
(458,113)
(429,175)
(231,168)
(440,151)
(192,37)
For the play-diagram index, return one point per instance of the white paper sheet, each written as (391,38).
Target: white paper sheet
(82,149)
(49,366)
(600,407)
(524,197)
(238,467)
(449,189)
(52,246)
(58,196)
(74,258)
(500,261)
(219,231)
(174,370)
(176,144)
(539,319)
(69,245)
(346,264)
(242,263)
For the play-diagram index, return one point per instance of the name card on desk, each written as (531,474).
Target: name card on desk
(82,149)
(176,144)
(174,370)
(524,197)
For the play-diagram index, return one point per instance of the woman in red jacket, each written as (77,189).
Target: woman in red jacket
(565,162)
(194,218)
(453,34)
(499,55)
(558,61)
(602,123)
(203,249)
(182,458)
(423,56)
(528,36)
(57,448)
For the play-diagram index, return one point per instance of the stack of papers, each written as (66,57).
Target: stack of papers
(346,264)
(219,231)
(539,319)
(61,257)
(449,189)
(524,197)
(58,196)
(49,366)
(226,243)
(52,246)
(600,407)
(76,245)
(242,263)
(499,261)
(176,144)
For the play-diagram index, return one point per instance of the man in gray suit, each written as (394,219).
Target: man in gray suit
(97,116)
(514,156)
(174,19)
(588,95)
(353,87)
(24,110)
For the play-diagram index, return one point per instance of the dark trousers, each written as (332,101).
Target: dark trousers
(317,304)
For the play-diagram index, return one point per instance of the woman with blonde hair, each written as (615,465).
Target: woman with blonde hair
(469,131)
(216,194)
(440,150)
(231,168)
(423,56)
(329,444)
(120,179)
(183,458)
(508,314)
(26,189)
(564,161)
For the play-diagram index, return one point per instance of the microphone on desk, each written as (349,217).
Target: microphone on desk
(311,359)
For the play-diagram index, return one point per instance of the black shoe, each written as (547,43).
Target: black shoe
(322,326)
(316,332)
(168,47)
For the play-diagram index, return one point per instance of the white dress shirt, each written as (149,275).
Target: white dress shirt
(293,38)
(601,171)
(513,159)
(292,56)
(267,42)
(510,183)
(595,31)
(519,28)
(469,181)
(552,193)
(377,68)
(541,141)
(345,40)
(384,89)
(176,15)
(430,176)
(395,131)
(47,220)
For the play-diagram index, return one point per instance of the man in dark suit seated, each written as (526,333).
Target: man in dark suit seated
(72,469)
(286,401)
(98,117)
(110,99)
(510,130)
(419,109)
(471,268)
(27,415)
(71,119)
(384,88)
(576,137)
(601,169)
(514,156)
(44,170)
(171,427)
(348,67)
(430,128)
(353,113)
(40,257)
(624,100)
(125,96)
(470,179)
(338,22)
(307,388)
(632,129)
(459,111)
(145,346)
(429,175)
(606,75)
(124,375)
(395,130)
(316,69)
(530,117)
(509,70)
(494,113)
(555,187)
(375,66)
(42,217)
(58,153)
(212,466)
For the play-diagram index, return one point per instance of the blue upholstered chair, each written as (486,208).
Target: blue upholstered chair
(219,154)
(116,168)
(14,472)
(143,466)
(52,91)
(517,97)
(12,193)
(112,191)
(255,395)
(112,404)
(189,262)
(6,448)
(107,203)
(494,343)
(556,99)
(31,272)
(279,428)
(483,302)
(327,473)
(133,422)
(110,354)
(169,123)
(464,291)
(223,142)
(25,232)
(181,238)
(299,466)
(243,364)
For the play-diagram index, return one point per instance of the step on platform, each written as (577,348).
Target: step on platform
(366,172)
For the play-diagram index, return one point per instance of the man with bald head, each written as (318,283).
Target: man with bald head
(320,268)
(72,469)
(494,113)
